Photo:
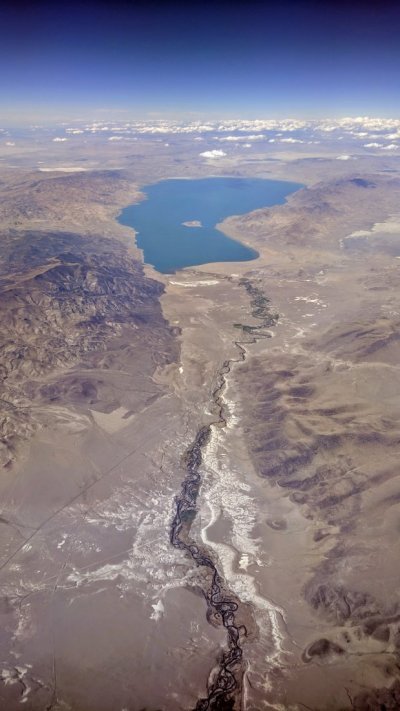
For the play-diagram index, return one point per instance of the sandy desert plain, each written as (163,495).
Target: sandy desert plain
(269,390)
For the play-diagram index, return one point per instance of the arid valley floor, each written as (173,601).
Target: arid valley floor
(255,406)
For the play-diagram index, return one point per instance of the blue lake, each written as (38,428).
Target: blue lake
(169,245)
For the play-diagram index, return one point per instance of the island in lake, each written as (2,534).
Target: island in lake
(192,223)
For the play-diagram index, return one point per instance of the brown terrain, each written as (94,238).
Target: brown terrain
(269,389)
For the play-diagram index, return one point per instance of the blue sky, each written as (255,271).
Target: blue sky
(185,60)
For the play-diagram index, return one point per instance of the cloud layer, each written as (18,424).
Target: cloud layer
(213,154)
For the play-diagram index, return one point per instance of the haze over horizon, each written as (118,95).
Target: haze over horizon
(149,61)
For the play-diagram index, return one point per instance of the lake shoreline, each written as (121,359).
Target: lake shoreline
(171,206)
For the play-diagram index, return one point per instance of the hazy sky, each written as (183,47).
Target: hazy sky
(204,59)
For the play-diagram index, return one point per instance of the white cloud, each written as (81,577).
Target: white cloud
(213,154)
(253,137)
(243,130)
(359,134)
(291,140)
(231,138)
(63,169)
(343,157)
(382,134)
(116,138)
(10,143)
(198,127)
